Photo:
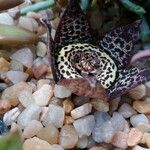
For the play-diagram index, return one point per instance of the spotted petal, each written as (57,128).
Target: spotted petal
(128,79)
(82,87)
(119,43)
(73,27)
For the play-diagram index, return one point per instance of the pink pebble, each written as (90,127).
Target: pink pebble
(134,137)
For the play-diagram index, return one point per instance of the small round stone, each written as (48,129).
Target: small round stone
(61,91)
(138,92)
(11,116)
(97,148)
(81,111)
(25,98)
(100,105)
(41,49)
(138,119)
(120,140)
(5,105)
(146,139)
(32,129)
(32,112)
(134,137)
(137,147)
(85,125)
(68,120)
(49,133)
(68,137)
(57,147)
(142,106)
(43,95)
(68,106)
(82,142)
(36,144)
(126,110)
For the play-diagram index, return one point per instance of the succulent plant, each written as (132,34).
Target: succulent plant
(89,67)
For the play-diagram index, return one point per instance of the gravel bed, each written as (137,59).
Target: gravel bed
(49,116)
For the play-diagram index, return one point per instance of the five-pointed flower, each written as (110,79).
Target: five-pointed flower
(92,68)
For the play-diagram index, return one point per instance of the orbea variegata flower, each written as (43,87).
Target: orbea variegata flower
(90,68)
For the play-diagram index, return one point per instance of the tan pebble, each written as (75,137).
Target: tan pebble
(134,137)
(15,128)
(97,148)
(143,127)
(100,105)
(68,106)
(4,54)
(138,92)
(29,71)
(68,120)
(114,105)
(4,64)
(13,91)
(4,106)
(36,144)
(120,140)
(81,111)
(146,139)
(50,134)
(142,106)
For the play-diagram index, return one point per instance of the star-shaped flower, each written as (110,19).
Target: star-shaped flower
(90,68)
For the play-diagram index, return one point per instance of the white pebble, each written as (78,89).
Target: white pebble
(41,82)
(32,112)
(24,56)
(25,98)
(17,76)
(137,147)
(108,132)
(61,91)
(68,137)
(41,49)
(28,23)
(118,121)
(32,129)
(57,147)
(6,19)
(84,125)
(11,116)
(100,119)
(126,110)
(55,115)
(81,111)
(82,142)
(138,119)
(43,95)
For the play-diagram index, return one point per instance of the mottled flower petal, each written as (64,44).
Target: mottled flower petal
(119,43)
(83,87)
(128,79)
(140,55)
(73,27)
